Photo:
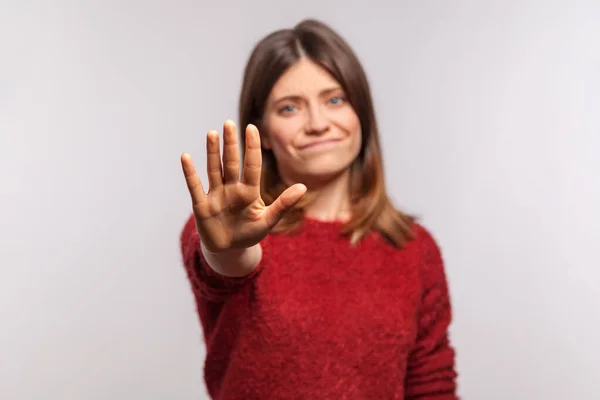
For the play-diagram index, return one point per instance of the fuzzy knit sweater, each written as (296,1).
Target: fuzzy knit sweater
(322,319)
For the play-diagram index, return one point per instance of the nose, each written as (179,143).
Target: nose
(317,122)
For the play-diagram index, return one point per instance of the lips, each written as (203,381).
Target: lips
(319,143)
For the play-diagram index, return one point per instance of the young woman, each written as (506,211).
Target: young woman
(309,284)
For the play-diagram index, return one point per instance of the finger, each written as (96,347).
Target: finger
(252,158)
(192,180)
(284,203)
(213,160)
(231,153)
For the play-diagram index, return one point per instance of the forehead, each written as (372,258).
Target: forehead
(304,78)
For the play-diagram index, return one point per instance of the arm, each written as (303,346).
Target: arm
(235,263)
(216,276)
(430,373)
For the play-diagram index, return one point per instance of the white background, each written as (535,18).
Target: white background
(490,118)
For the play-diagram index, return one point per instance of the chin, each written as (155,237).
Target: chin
(324,169)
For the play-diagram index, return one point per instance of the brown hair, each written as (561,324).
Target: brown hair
(271,57)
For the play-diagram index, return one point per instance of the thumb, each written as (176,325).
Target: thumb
(284,203)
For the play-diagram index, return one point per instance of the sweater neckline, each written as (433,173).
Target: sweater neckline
(318,226)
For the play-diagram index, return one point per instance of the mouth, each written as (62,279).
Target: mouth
(320,143)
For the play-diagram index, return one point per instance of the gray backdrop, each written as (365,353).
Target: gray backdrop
(489,112)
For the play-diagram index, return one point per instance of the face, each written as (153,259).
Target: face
(309,125)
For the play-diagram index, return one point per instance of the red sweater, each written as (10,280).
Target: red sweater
(321,319)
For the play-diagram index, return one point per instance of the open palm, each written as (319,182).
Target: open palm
(232,214)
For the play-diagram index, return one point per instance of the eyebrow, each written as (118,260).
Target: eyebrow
(297,97)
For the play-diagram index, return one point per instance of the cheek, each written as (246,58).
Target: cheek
(280,144)
(281,134)
(351,124)
(346,118)
(358,140)
(356,143)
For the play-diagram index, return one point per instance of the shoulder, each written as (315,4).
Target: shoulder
(431,262)
(423,245)
(425,241)
(423,253)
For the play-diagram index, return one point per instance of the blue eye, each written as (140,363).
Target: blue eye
(336,100)
(288,109)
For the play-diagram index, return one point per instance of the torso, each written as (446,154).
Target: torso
(322,319)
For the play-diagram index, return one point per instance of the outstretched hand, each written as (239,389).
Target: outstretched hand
(232,214)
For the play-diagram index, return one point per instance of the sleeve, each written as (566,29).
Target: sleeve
(207,283)
(431,371)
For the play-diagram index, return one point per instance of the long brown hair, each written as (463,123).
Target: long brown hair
(271,57)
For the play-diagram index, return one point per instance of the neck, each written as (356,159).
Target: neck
(330,200)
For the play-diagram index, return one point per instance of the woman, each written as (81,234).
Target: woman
(309,284)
